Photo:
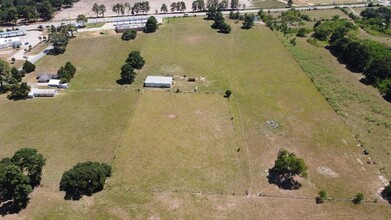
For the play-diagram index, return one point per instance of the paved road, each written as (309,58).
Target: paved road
(160,17)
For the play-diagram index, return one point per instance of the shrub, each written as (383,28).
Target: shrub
(225,28)
(322,196)
(28,67)
(358,198)
(151,25)
(130,34)
(228,93)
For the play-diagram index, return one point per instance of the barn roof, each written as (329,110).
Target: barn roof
(158,79)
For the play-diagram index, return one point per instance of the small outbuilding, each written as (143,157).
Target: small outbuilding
(44,78)
(57,83)
(158,81)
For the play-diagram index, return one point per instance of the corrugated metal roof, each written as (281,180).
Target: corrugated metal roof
(159,79)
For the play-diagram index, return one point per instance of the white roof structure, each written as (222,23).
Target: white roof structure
(158,81)
(42,93)
(54,82)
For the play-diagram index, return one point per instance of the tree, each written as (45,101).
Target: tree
(358,198)
(151,25)
(387,191)
(28,12)
(45,10)
(286,167)
(14,185)
(164,8)
(11,15)
(5,74)
(102,10)
(82,19)
(16,75)
(248,21)
(301,32)
(67,72)
(127,73)
(84,179)
(119,8)
(69,2)
(290,3)
(225,28)
(173,6)
(130,34)
(219,20)
(322,196)
(135,60)
(95,9)
(19,91)
(31,163)
(128,7)
(182,6)
(59,41)
(234,4)
(28,67)
(211,14)
(385,90)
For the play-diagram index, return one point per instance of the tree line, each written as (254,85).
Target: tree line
(371,58)
(30,10)
(121,9)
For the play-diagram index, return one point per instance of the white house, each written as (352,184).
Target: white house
(10,42)
(158,81)
(56,83)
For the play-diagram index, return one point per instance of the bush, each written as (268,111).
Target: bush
(28,67)
(151,25)
(228,93)
(358,199)
(225,28)
(301,32)
(130,34)
(135,60)
(322,196)
(84,179)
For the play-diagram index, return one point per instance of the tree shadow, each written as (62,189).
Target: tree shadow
(9,207)
(385,196)
(69,195)
(282,181)
(120,82)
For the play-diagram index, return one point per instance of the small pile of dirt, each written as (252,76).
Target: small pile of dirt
(327,171)
(171,116)
(272,124)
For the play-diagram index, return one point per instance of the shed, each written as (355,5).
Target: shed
(158,81)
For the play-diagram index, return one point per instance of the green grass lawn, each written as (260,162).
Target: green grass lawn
(190,167)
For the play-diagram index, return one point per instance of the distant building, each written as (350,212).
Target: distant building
(158,82)
(12,34)
(10,42)
(44,78)
(42,93)
(137,24)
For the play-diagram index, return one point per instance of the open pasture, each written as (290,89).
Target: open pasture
(176,155)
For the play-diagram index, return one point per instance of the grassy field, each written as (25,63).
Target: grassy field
(189,166)
(268,4)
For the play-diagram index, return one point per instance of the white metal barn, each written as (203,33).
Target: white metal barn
(56,83)
(158,81)
(10,42)
(42,93)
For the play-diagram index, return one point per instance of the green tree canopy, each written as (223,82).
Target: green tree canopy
(151,25)
(127,74)
(84,179)
(130,34)
(289,165)
(28,67)
(248,21)
(31,163)
(135,60)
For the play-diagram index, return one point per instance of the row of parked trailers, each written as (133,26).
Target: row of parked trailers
(137,24)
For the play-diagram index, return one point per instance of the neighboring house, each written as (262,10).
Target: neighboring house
(45,78)
(158,82)
(10,42)
(56,83)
